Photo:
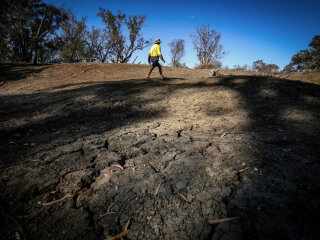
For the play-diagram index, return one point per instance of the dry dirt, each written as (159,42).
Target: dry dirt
(160,159)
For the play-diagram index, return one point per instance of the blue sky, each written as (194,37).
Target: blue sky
(269,30)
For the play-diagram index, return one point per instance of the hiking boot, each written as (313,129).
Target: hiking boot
(163,77)
(147,77)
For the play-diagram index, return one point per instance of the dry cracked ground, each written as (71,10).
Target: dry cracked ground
(94,151)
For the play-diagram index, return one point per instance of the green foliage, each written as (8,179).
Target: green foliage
(29,32)
(244,67)
(315,50)
(66,54)
(306,59)
(72,39)
(26,26)
(260,66)
(212,65)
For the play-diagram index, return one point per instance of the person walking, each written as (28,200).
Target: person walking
(153,58)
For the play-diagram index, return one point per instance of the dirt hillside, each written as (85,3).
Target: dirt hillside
(95,151)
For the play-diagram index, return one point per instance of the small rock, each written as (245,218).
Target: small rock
(181,185)
(202,196)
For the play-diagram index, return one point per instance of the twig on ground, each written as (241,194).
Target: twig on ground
(242,170)
(156,223)
(221,220)
(157,190)
(68,195)
(128,223)
(103,215)
(120,235)
(184,198)
(109,208)
(223,135)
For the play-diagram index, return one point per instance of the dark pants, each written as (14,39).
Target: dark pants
(155,64)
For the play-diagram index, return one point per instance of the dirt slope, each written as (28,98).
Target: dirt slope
(193,148)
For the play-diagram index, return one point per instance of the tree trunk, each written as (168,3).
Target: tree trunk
(35,59)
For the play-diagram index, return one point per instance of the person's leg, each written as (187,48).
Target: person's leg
(160,71)
(150,71)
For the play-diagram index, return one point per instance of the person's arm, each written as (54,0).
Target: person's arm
(149,59)
(162,58)
(160,55)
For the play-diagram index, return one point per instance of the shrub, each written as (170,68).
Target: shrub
(212,65)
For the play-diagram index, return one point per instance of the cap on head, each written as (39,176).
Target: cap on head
(158,41)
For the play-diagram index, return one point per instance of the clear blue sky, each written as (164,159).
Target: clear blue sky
(269,30)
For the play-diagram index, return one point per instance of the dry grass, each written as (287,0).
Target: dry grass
(311,76)
(19,79)
(24,78)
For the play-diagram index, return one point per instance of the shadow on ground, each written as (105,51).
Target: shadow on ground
(62,141)
(282,200)
(12,72)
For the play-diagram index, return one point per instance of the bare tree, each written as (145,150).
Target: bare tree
(103,50)
(95,47)
(177,52)
(121,47)
(207,44)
